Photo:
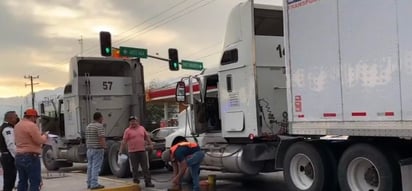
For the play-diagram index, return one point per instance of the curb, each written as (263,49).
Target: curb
(132,187)
(128,187)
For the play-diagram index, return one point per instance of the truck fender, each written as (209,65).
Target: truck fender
(284,144)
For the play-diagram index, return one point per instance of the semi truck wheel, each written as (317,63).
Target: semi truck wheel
(121,170)
(47,157)
(309,169)
(50,162)
(105,169)
(365,167)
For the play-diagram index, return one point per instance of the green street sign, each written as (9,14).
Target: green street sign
(192,65)
(133,52)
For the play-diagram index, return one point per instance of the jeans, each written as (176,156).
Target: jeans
(94,164)
(9,171)
(193,162)
(29,168)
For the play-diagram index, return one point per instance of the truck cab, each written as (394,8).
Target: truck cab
(111,86)
(241,108)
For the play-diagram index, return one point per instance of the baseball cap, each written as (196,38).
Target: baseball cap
(31,112)
(132,118)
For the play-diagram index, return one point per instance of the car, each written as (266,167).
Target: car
(155,156)
(158,138)
(158,135)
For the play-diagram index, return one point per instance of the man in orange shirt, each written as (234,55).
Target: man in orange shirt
(135,136)
(28,147)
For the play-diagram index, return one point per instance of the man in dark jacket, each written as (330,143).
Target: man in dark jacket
(8,150)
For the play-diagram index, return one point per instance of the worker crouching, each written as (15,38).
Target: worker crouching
(186,158)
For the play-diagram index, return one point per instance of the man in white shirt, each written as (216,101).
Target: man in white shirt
(8,150)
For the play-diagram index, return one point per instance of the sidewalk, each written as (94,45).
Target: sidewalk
(63,181)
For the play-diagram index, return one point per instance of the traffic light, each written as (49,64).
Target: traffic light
(105,43)
(173,60)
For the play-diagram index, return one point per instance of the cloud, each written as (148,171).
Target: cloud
(40,36)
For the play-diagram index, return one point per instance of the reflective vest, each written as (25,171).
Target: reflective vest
(184,144)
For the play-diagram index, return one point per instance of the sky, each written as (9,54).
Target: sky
(38,37)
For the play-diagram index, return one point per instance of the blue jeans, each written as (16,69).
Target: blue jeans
(29,168)
(94,164)
(193,161)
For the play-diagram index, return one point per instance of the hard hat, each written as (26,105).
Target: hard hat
(166,155)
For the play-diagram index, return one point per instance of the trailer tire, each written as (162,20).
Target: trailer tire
(119,170)
(309,169)
(375,171)
(105,169)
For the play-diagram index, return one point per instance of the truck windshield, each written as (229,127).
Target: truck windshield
(103,68)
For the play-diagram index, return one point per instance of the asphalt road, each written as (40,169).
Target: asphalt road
(224,181)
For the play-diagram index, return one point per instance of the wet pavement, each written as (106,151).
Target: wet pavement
(73,179)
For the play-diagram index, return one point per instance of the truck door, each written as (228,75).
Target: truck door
(237,75)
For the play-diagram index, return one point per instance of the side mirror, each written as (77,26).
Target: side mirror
(180,92)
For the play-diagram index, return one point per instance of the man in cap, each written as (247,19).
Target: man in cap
(136,136)
(28,148)
(8,150)
(185,155)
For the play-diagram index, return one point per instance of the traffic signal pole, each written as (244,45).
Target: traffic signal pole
(159,58)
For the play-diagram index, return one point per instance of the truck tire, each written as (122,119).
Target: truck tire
(119,170)
(365,167)
(309,169)
(105,169)
(50,162)
(47,157)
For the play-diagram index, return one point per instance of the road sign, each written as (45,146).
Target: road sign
(192,65)
(133,52)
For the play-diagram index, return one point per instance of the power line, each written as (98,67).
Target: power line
(31,84)
(93,48)
(167,20)
(191,55)
(151,18)
(146,21)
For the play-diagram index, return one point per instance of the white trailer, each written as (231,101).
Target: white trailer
(331,106)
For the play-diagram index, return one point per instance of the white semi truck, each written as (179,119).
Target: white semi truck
(111,86)
(320,89)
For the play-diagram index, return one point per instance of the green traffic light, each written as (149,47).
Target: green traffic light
(107,50)
(175,65)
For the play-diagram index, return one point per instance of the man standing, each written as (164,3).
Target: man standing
(8,150)
(135,136)
(28,147)
(95,143)
(187,155)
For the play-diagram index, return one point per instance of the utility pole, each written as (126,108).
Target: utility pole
(31,84)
